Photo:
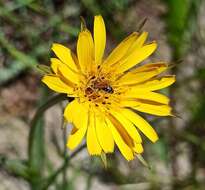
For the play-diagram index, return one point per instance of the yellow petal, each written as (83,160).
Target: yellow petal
(156,84)
(93,145)
(136,57)
(131,78)
(72,112)
(65,73)
(54,64)
(68,73)
(99,38)
(54,83)
(85,51)
(123,147)
(159,66)
(142,73)
(68,112)
(128,126)
(120,51)
(159,110)
(76,136)
(152,97)
(104,135)
(138,148)
(124,134)
(64,54)
(139,42)
(141,124)
(65,79)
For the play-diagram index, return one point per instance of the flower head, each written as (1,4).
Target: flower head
(109,91)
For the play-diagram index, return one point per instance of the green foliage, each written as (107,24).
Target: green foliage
(22,61)
(161,150)
(181,23)
(32,35)
(201,74)
(36,153)
(16,167)
(36,148)
(182,28)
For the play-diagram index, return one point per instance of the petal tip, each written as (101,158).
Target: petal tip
(98,16)
(155,139)
(94,153)
(54,45)
(69,146)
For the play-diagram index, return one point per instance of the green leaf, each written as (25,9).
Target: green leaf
(15,167)
(181,24)
(36,147)
(36,150)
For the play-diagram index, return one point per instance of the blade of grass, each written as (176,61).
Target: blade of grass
(15,167)
(28,61)
(51,179)
(36,150)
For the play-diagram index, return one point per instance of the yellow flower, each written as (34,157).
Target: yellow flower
(108,93)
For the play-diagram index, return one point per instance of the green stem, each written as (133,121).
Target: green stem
(51,179)
(64,130)
(52,101)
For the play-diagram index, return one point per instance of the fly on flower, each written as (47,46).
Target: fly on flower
(109,91)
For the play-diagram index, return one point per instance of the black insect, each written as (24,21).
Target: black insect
(108,89)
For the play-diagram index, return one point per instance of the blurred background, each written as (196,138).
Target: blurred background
(37,159)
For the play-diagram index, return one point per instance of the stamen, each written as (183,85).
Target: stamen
(89,91)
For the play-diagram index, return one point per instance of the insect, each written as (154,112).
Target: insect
(103,85)
(108,89)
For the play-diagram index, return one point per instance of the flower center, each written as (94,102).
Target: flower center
(99,84)
(98,90)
